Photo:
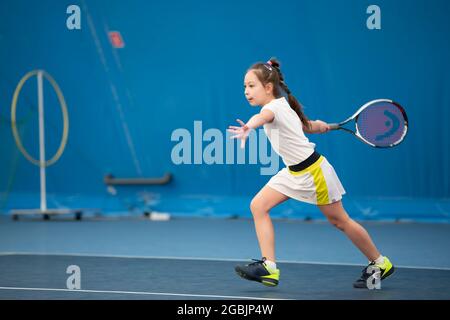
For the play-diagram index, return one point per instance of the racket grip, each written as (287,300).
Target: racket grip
(334,126)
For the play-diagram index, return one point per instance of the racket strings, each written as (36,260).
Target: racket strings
(382,124)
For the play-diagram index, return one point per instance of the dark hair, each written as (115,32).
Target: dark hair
(270,73)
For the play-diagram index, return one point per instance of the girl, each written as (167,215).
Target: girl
(308,177)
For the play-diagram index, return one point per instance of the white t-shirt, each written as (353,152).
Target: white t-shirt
(285,133)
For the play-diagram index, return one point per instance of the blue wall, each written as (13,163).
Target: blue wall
(184,61)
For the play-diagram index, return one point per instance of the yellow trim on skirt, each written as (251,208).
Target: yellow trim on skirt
(319,180)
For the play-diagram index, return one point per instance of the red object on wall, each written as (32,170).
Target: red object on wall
(116,39)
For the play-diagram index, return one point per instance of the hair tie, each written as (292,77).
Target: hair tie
(268,66)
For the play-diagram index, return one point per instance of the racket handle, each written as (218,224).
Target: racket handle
(334,126)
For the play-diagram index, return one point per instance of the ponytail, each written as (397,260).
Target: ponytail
(293,102)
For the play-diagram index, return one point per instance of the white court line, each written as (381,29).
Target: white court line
(140,293)
(208,259)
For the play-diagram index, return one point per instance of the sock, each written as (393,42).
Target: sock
(379,260)
(270,265)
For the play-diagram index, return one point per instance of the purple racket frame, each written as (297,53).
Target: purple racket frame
(356,133)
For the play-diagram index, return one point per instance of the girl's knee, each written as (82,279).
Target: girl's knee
(336,215)
(257,207)
(340,222)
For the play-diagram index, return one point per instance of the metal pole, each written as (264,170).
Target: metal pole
(42,142)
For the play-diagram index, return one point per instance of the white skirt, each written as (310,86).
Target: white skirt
(317,184)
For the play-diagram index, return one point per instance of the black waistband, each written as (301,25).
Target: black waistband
(306,163)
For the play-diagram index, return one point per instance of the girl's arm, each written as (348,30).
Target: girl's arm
(260,119)
(317,126)
(256,121)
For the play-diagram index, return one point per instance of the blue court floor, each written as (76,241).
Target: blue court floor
(193,258)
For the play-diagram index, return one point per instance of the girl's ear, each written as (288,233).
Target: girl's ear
(269,87)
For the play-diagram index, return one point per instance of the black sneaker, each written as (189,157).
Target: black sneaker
(386,269)
(258,271)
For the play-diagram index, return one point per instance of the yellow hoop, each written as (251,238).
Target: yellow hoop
(62,103)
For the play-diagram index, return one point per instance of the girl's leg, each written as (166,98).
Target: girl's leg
(337,216)
(260,206)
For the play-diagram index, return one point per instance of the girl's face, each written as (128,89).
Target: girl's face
(255,92)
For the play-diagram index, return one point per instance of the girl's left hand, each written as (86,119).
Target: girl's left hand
(241,132)
(322,126)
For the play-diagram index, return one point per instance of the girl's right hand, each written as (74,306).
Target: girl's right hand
(322,126)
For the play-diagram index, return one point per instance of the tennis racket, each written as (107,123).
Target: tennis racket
(380,123)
